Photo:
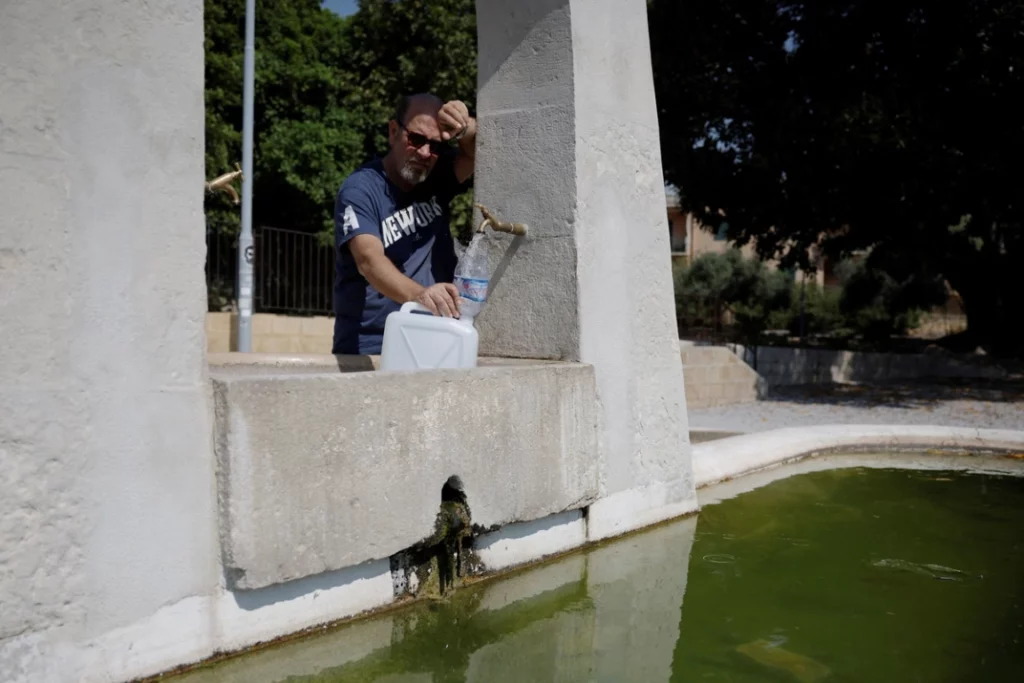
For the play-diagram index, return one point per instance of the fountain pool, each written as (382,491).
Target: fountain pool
(861,573)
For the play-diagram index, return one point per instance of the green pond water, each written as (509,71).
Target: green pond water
(844,575)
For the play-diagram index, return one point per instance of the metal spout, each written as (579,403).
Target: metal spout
(223,183)
(496,223)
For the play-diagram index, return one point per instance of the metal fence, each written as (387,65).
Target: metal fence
(704,320)
(293,272)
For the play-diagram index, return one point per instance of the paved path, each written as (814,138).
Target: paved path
(966,403)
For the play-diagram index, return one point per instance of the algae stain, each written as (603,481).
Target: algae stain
(438,564)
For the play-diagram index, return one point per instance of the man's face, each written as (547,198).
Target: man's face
(416,144)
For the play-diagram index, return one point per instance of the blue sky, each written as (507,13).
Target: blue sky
(342,7)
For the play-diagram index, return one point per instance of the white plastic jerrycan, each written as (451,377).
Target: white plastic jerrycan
(414,341)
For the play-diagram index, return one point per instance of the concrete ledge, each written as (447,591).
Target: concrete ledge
(279,363)
(317,472)
(196,628)
(517,544)
(633,509)
(291,362)
(723,459)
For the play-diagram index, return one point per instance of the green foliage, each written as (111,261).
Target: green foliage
(880,124)
(878,305)
(303,138)
(822,314)
(325,89)
(406,47)
(305,160)
(717,284)
(870,304)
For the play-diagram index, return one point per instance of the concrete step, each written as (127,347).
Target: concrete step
(720,394)
(715,376)
(705,374)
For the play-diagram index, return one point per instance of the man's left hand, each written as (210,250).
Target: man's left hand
(454,120)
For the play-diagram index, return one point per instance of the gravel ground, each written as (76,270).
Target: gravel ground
(963,403)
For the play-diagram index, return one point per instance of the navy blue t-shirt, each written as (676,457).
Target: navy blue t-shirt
(414,227)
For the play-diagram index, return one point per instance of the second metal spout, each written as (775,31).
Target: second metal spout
(223,183)
(498,224)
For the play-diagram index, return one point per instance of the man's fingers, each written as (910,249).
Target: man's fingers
(442,305)
(448,124)
(459,108)
(441,299)
(428,303)
(453,119)
(453,296)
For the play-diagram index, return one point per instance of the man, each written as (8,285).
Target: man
(391,222)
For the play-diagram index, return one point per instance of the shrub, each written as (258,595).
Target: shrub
(715,286)
(822,314)
(877,305)
(870,304)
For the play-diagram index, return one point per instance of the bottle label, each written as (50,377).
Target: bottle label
(472,288)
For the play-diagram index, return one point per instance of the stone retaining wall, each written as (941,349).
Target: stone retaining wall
(783,366)
(322,471)
(272,333)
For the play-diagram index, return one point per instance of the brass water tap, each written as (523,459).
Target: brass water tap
(223,183)
(498,224)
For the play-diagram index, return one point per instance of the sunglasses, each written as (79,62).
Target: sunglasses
(417,140)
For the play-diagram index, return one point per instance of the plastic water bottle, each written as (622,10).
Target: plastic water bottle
(472,276)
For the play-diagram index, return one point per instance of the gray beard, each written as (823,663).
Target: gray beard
(412,175)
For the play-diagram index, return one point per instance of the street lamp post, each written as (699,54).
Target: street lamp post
(246,252)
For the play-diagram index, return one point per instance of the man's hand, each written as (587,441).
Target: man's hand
(441,299)
(456,123)
(454,120)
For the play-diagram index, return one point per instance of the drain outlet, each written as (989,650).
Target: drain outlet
(437,564)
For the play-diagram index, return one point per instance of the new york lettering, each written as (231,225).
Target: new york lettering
(409,220)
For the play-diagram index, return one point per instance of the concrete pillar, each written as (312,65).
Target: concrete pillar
(568,143)
(107,501)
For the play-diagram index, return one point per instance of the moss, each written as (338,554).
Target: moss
(443,558)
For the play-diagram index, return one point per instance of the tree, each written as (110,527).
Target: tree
(325,89)
(877,305)
(305,140)
(398,48)
(852,125)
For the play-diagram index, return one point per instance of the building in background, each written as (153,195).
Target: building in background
(689,239)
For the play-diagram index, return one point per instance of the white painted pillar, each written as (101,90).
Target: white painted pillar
(107,496)
(568,143)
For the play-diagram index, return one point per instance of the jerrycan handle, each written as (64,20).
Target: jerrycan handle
(414,307)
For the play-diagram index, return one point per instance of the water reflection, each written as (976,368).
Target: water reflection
(832,575)
(613,613)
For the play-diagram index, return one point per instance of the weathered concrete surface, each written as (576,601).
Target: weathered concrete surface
(319,472)
(278,363)
(107,498)
(526,162)
(517,544)
(568,143)
(731,457)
